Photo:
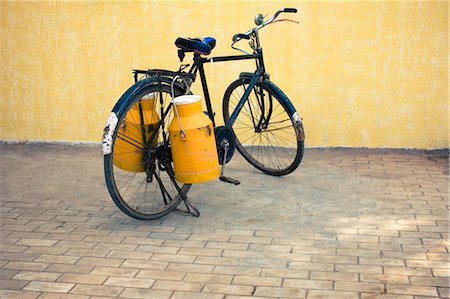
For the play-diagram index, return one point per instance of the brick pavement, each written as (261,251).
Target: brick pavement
(348,224)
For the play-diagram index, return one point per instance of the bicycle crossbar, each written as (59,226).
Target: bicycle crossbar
(230,58)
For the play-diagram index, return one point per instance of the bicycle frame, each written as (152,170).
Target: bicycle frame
(198,67)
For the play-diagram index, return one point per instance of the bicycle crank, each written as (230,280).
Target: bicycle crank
(226,144)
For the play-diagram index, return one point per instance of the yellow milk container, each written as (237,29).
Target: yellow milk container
(128,152)
(192,141)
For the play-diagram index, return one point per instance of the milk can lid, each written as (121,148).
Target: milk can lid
(186,99)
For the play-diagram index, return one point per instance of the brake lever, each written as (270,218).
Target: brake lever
(288,20)
(235,48)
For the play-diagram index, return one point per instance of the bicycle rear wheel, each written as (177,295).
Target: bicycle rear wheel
(266,132)
(139,171)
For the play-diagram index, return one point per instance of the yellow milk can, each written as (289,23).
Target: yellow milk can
(128,152)
(192,141)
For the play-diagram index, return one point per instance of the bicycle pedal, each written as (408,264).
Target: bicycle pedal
(229,180)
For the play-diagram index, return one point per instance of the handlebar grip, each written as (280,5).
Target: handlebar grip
(293,10)
(239,36)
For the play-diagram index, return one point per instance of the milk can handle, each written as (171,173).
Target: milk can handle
(182,131)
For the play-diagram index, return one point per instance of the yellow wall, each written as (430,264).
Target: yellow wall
(361,74)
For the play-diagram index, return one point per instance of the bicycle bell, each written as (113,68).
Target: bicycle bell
(259,19)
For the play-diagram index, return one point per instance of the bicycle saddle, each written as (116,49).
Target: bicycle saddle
(197,45)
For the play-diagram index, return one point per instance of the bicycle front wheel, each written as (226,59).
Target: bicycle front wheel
(139,170)
(266,134)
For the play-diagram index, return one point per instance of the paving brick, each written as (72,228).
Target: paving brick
(405,255)
(138,264)
(208,278)
(35,242)
(192,268)
(31,266)
(217,260)
(293,242)
(411,290)
(66,268)
(438,256)
(114,246)
(158,274)
(177,285)
(145,293)
(224,245)
(359,286)
(307,284)
(7,284)
(385,296)
(209,237)
(192,295)
(176,258)
(280,292)
(334,276)
(9,294)
(246,239)
(236,270)
(8,274)
(97,290)
(54,287)
(82,278)
(40,276)
(130,255)
(427,264)
(271,248)
(184,243)
(284,273)
(19,256)
(235,232)
(311,266)
(142,241)
(157,249)
(381,261)
(200,251)
(444,292)
(407,271)
(333,259)
(430,281)
(441,272)
(65,237)
(92,261)
(129,282)
(46,250)
(58,259)
(321,294)
(87,252)
(62,296)
(257,280)
(76,244)
(113,271)
(227,289)
(169,236)
(384,278)
(314,250)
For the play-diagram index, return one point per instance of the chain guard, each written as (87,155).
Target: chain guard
(224,133)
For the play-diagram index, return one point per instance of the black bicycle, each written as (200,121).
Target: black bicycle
(260,122)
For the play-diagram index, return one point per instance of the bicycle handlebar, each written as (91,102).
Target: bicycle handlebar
(246,35)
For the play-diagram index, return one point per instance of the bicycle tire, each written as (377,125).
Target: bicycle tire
(265,129)
(123,167)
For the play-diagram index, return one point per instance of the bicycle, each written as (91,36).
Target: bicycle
(260,122)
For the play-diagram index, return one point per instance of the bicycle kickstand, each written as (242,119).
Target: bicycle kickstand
(226,145)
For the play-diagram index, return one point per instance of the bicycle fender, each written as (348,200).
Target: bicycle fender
(295,117)
(112,121)
(138,86)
